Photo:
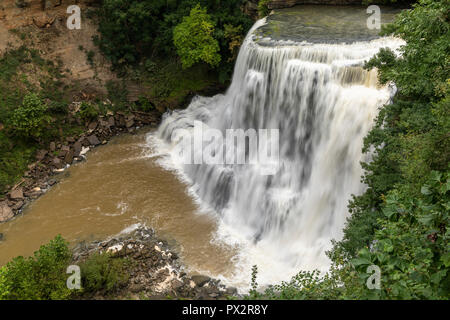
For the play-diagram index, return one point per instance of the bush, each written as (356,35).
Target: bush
(42,277)
(88,112)
(103,272)
(263,9)
(117,94)
(194,41)
(30,120)
(4,286)
(412,245)
(143,104)
(131,31)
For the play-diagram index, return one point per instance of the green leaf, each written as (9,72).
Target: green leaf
(446,259)
(436,176)
(426,220)
(426,190)
(438,276)
(360,262)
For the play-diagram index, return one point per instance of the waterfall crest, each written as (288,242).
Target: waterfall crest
(323,104)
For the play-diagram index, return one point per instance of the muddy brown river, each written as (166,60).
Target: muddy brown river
(118,187)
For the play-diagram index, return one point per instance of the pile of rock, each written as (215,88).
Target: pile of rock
(156,271)
(61,154)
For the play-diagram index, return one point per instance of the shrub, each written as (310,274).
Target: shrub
(30,119)
(88,112)
(194,40)
(143,104)
(412,245)
(131,31)
(103,272)
(4,286)
(263,9)
(41,277)
(117,94)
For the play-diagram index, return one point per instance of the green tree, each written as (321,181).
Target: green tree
(263,8)
(30,119)
(41,277)
(194,41)
(131,31)
(103,272)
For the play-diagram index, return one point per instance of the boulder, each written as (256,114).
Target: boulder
(43,20)
(129,123)
(18,205)
(136,288)
(57,163)
(84,142)
(77,148)
(16,194)
(92,126)
(69,156)
(177,285)
(200,281)
(111,121)
(6,212)
(93,140)
(104,124)
(52,146)
(40,155)
(231,290)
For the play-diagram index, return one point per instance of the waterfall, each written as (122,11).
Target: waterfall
(323,103)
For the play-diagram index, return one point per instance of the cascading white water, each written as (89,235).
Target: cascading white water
(323,104)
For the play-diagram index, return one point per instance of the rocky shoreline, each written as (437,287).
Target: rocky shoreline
(155,271)
(59,155)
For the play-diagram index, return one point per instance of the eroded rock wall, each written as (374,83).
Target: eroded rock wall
(251,6)
(278,4)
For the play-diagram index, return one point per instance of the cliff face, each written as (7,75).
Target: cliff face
(41,25)
(278,4)
(251,6)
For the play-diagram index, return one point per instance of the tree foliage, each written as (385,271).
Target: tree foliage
(103,272)
(401,223)
(194,41)
(42,277)
(131,31)
(30,119)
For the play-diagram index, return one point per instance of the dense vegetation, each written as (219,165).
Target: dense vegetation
(44,276)
(35,110)
(143,31)
(31,103)
(401,223)
(194,41)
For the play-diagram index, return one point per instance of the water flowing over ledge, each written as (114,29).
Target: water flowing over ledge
(323,104)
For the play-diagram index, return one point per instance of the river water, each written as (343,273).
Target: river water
(119,186)
(298,72)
